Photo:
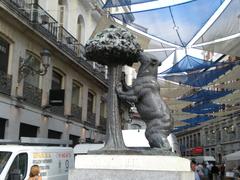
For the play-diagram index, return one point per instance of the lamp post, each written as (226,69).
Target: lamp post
(25,68)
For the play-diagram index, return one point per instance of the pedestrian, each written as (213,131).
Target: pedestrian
(194,169)
(205,172)
(209,166)
(222,171)
(199,170)
(35,173)
(215,172)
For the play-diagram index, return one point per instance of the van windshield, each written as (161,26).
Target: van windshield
(4,156)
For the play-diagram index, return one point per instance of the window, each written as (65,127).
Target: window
(191,141)
(76,94)
(187,142)
(18,167)
(56,80)
(198,140)
(75,139)
(27,130)
(34,62)
(54,134)
(4,54)
(4,157)
(194,140)
(218,135)
(2,127)
(90,102)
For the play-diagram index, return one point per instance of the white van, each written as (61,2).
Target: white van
(16,161)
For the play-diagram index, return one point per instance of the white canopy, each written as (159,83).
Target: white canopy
(233,156)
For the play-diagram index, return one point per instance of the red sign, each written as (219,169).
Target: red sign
(197,150)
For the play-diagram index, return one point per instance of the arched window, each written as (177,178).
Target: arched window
(81,29)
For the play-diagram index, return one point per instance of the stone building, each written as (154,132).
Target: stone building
(33,31)
(217,138)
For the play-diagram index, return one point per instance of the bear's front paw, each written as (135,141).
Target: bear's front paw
(119,87)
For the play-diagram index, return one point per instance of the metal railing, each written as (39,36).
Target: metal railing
(32,94)
(5,83)
(43,21)
(68,42)
(57,110)
(91,120)
(76,111)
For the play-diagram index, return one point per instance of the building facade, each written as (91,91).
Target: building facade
(30,32)
(216,138)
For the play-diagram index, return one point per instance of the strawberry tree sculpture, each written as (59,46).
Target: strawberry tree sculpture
(113,47)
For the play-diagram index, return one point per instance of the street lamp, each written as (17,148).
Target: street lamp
(25,68)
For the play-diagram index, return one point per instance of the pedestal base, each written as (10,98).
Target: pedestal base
(131,167)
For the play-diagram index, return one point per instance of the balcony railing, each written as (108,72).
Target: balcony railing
(21,7)
(5,83)
(68,42)
(44,23)
(76,111)
(32,94)
(91,120)
(57,110)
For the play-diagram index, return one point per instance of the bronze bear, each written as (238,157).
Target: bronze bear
(145,93)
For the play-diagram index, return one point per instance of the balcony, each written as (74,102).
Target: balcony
(68,42)
(43,22)
(57,110)
(36,17)
(91,120)
(76,111)
(32,94)
(5,83)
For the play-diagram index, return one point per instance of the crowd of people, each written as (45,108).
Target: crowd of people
(208,171)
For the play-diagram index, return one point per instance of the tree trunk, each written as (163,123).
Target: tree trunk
(114,138)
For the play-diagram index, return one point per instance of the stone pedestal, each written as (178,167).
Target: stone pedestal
(131,167)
